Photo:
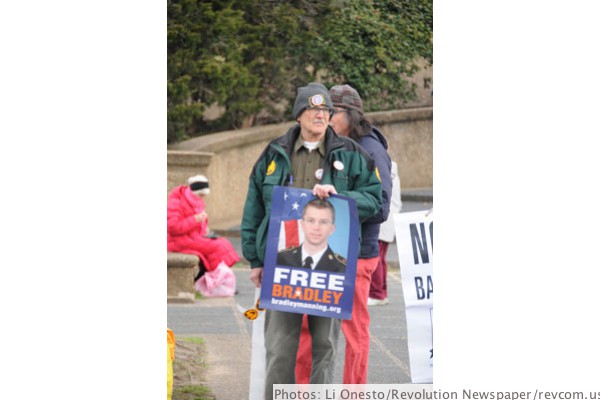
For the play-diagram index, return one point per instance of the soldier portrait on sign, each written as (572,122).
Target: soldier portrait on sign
(310,259)
(317,224)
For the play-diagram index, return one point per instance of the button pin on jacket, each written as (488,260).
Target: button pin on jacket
(319,173)
(271,168)
(338,165)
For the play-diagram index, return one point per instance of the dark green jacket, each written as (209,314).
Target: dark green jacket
(356,180)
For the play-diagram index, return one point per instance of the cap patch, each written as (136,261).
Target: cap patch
(316,100)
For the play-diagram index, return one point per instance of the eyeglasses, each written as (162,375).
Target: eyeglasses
(252,313)
(321,222)
(315,110)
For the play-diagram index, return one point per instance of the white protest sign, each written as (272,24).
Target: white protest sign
(414,238)
(257,364)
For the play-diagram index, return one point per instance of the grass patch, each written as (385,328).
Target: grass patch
(192,339)
(192,393)
(189,370)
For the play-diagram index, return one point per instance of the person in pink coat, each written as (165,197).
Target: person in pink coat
(187,226)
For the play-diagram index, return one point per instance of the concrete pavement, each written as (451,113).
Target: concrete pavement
(228,335)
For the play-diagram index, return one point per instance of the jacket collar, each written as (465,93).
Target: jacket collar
(332,140)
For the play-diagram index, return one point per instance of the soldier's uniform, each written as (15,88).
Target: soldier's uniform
(330,261)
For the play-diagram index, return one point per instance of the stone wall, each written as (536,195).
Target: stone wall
(410,138)
(226,158)
(183,164)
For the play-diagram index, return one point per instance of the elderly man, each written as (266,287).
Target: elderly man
(309,155)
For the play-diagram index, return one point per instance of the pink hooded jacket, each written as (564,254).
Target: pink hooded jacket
(185,235)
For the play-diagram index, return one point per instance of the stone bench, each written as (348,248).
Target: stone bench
(181,269)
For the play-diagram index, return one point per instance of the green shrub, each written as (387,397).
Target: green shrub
(249,56)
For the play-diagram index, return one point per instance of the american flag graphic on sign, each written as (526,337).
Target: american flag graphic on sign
(290,233)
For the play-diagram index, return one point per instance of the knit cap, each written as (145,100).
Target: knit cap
(345,96)
(314,94)
(199,185)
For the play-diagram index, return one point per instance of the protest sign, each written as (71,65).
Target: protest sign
(414,238)
(258,357)
(326,287)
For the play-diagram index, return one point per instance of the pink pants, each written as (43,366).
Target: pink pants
(356,332)
(379,279)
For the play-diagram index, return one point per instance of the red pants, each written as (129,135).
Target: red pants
(356,332)
(379,279)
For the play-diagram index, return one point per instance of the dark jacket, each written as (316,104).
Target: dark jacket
(356,180)
(330,261)
(376,145)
